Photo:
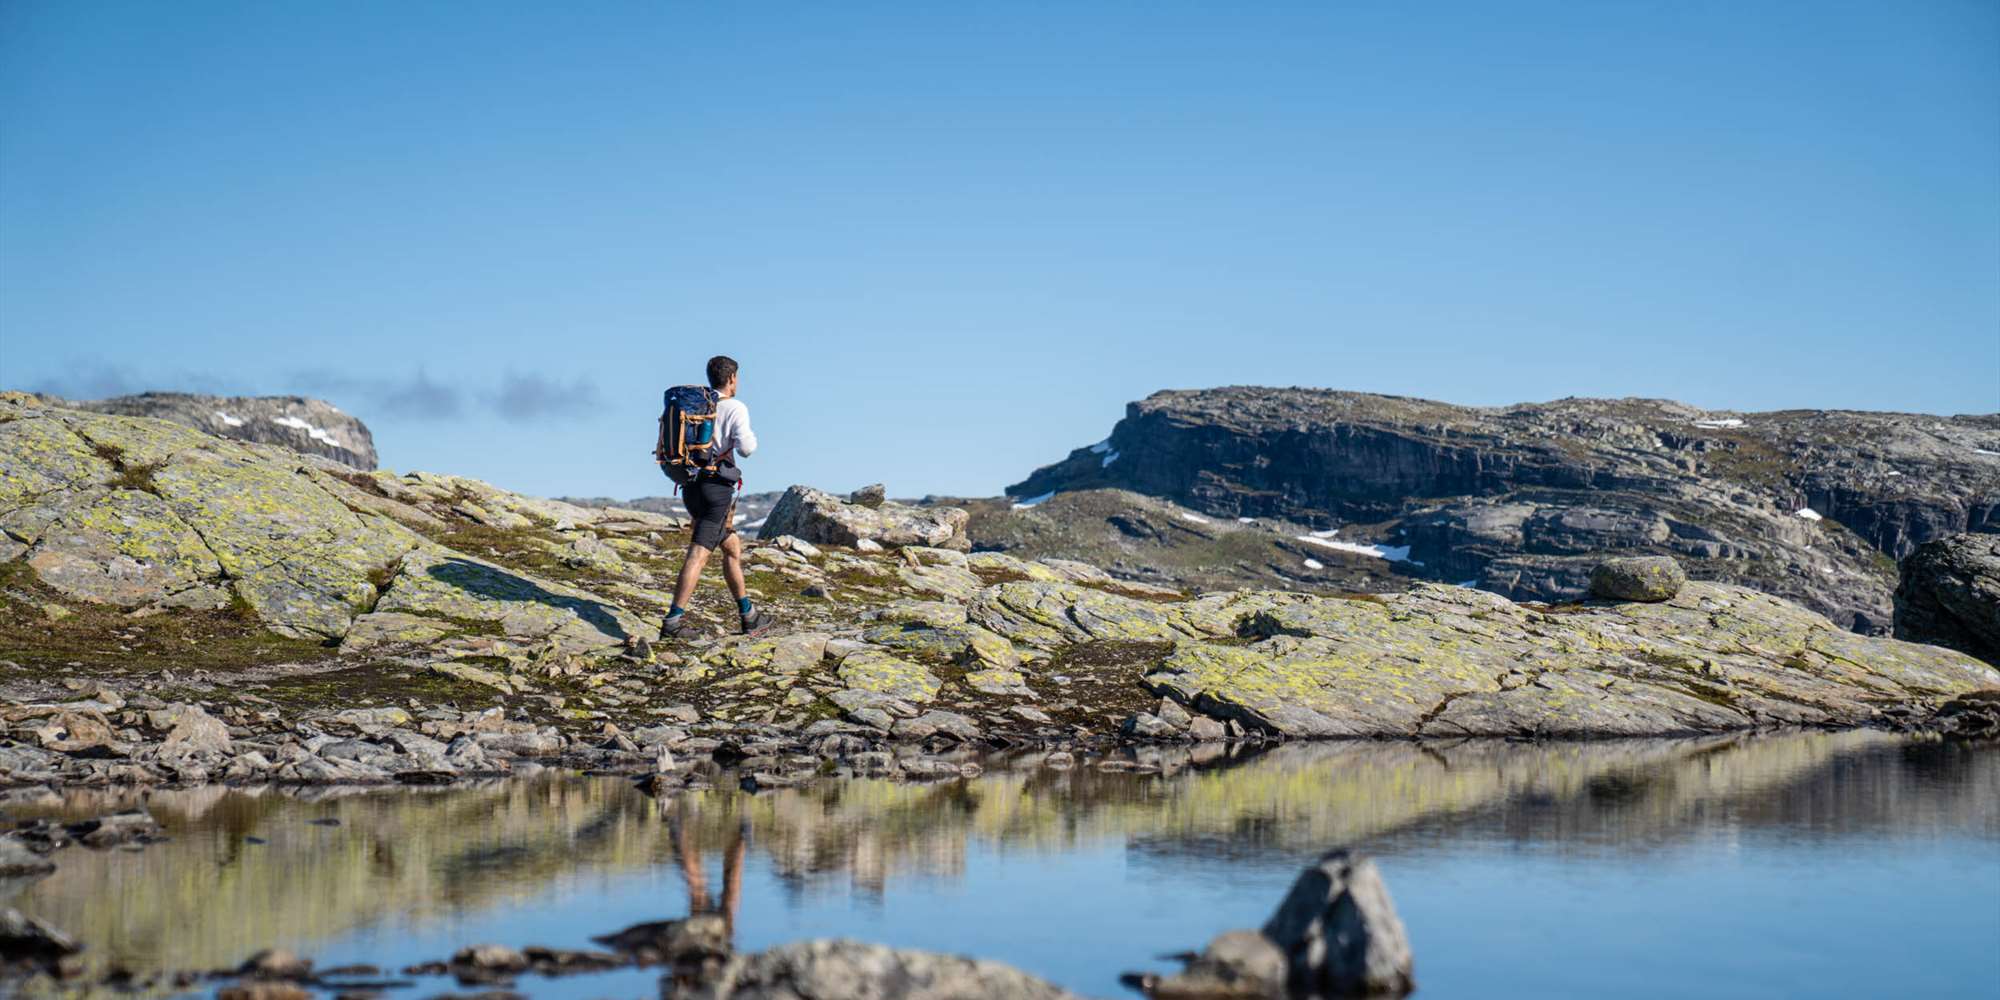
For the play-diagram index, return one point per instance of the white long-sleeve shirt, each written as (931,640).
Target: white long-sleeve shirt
(732,429)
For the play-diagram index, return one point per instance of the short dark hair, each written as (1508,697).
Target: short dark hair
(721,369)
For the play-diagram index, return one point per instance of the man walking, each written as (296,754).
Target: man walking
(711,505)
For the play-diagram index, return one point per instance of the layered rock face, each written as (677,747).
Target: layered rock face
(307,426)
(1811,505)
(1950,595)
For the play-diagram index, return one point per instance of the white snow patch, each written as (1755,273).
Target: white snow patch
(1245,520)
(1032,501)
(1982,451)
(227,420)
(1315,564)
(1388,553)
(1108,459)
(312,432)
(1723,423)
(1101,447)
(1468,584)
(758,523)
(1328,533)
(1808,513)
(1192,518)
(1892,472)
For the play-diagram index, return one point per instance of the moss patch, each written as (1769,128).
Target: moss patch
(108,641)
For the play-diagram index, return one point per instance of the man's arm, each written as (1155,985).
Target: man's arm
(746,439)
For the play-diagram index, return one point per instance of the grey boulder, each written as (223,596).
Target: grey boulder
(824,519)
(1638,578)
(1335,934)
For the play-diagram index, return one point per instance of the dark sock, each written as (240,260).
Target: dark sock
(743,605)
(676,611)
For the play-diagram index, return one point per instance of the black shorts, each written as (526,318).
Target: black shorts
(712,504)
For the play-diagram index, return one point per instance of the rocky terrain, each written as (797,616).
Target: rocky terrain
(177,607)
(307,426)
(751,508)
(1815,506)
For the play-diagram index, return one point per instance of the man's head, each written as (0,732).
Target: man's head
(722,374)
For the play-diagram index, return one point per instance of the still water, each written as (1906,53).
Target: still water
(1810,865)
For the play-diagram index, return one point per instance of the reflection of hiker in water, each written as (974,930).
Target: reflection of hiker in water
(687,846)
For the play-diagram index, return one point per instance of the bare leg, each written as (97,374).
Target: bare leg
(691,567)
(732,564)
(691,871)
(732,876)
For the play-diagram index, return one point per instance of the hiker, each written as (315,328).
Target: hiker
(703,432)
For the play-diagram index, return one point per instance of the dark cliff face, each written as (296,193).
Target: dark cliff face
(307,426)
(1523,498)
(1950,595)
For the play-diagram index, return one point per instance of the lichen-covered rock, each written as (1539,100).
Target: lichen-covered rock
(938,614)
(127,548)
(1450,661)
(950,582)
(1637,578)
(1006,565)
(877,672)
(1051,614)
(825,519)
(438,583)
(1950,595)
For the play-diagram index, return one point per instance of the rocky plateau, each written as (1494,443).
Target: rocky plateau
(179,607)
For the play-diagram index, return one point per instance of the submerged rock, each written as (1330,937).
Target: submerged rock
(838,970)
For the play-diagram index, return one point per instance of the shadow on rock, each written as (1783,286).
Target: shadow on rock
(495,584)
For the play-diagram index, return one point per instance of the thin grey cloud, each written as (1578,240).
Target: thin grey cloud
(533,397)
(417,396)
(90,379)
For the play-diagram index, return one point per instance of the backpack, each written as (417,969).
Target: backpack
(686,449)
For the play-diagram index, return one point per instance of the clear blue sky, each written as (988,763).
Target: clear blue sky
(949,241)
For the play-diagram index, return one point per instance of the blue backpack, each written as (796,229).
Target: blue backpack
(687,446)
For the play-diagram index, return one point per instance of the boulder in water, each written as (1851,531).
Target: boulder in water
(1335,934)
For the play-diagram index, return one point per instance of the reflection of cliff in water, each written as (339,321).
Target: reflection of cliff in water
(209,897)
(1622,796)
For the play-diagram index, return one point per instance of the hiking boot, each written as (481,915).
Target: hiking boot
(672,626)
(757,621)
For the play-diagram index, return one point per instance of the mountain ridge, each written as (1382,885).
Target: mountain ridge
(1814,505)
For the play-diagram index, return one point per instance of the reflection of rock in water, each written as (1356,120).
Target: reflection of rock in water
(209,897)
